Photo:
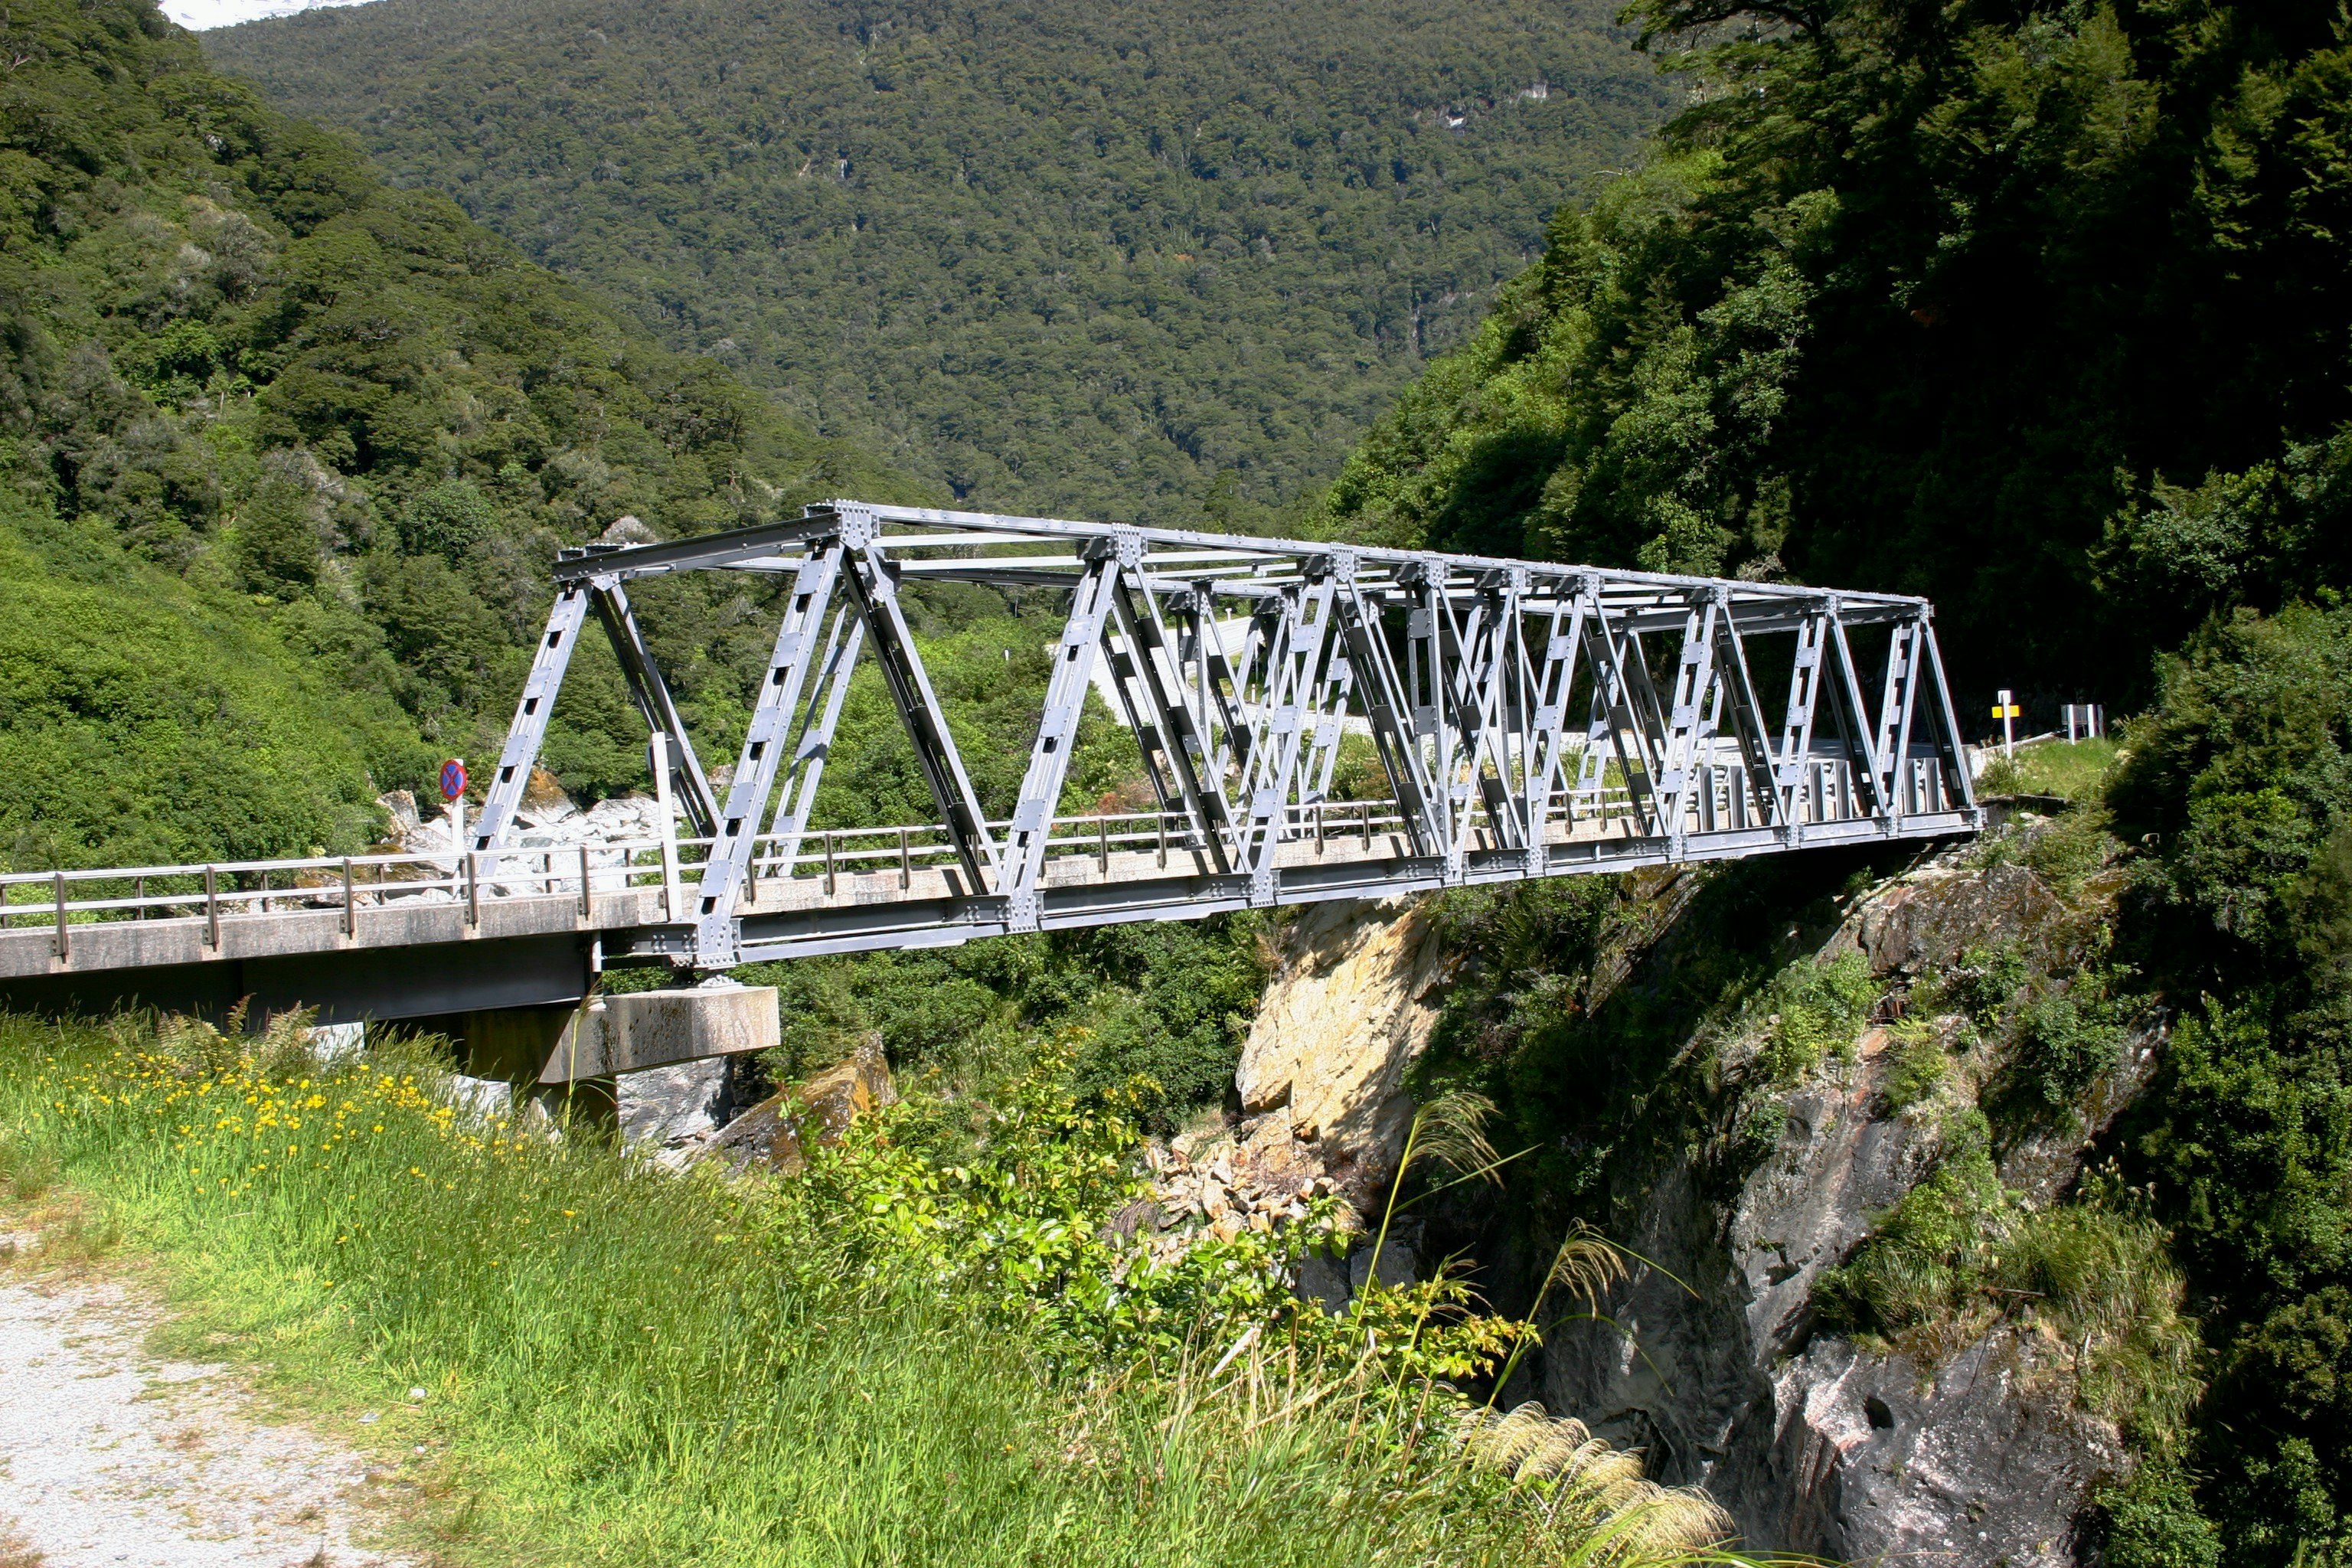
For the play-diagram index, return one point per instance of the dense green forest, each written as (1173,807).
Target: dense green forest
(2035,308)
(286,451)
(2039,310)
(1146,262)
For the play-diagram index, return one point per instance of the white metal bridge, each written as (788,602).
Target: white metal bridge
(1528,720)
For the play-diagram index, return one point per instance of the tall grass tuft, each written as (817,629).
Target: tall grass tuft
(2070,770)
(1593,1495)
(624,1366)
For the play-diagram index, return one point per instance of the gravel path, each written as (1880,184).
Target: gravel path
(109,1455)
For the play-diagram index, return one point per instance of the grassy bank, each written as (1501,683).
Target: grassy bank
(622,1366)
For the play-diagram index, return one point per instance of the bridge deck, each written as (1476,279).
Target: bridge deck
(842,894)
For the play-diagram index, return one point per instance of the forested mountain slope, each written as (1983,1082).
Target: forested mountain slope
(1152,262)
(284,453)
(2040,310)
(2035,308)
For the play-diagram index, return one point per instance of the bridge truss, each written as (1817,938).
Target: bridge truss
(1530,719)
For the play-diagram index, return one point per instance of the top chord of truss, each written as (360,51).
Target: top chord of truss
(929,543)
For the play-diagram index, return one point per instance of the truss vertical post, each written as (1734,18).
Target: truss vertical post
(1385,710)
(1488,648)
(1690,731)
(737,834)
(1797,721)
(1895,724)
(1894,730)
(528,730)
(1294,649)
(1548,741)
(1614,693)
(1739,689)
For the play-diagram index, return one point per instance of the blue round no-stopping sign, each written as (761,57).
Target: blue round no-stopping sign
(453,779)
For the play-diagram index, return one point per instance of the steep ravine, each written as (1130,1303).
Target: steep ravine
(1739,1180)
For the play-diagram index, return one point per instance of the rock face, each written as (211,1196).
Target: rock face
(1322,1074)
(1324,1111)
(674,1110)
(1973,1465)
(1814,1445)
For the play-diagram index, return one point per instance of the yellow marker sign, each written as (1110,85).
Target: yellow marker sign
(2009,712)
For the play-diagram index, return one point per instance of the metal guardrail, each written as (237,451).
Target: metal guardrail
(213,892)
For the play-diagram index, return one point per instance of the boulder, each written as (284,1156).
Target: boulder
(672,1108)
(777,1133)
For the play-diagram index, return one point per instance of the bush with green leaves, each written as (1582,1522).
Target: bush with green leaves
(1812,1011)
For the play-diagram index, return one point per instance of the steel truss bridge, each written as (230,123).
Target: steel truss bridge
(1528,720)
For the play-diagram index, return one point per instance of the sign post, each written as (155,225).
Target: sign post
(2005,709)
(452,793)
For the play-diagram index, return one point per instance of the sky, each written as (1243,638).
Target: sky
(199,15)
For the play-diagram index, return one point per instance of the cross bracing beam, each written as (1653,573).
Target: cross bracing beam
(1526,718)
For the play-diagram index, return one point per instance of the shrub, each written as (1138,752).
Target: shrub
(1921,1066)
(2152,1520)
(2065,1042)
(1814,1010)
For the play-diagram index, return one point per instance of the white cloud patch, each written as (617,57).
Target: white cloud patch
(198,14)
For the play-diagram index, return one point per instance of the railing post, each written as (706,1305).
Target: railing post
(587,895)
(1318,827)
(828,866)
(1102,844)
(906,862)
(64,941)
(1163,841)
(351,912)
(212,909)
(139,893)
(473,890)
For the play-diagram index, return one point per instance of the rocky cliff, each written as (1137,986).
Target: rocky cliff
(1970,1452)
(1963,1440)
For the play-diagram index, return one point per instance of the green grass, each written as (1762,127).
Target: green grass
(622,1366)
(2071,770)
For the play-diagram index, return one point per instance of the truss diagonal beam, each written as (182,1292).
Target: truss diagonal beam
(875,592)
(776,715)
(651,694)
